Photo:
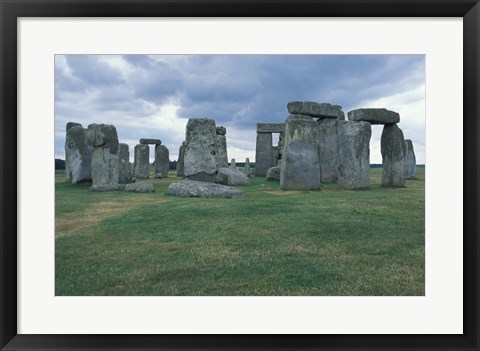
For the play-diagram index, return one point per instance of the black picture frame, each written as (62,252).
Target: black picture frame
(11,10)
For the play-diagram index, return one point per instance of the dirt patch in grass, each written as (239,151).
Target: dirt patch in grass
(73,222)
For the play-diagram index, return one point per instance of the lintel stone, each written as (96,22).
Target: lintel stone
(270,127)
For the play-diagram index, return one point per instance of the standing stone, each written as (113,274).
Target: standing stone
(180,162)
(78,154)
(278,160)
(104,139)
(353,151)
(221,143)
(327,148)
(263,154)
(410,160)
(233,164)
(162,161)
(125,174)
(141,162)
(247,170)
(300,168)
(200,160)
(393,155)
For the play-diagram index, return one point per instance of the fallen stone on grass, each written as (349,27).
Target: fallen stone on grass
(273,173)
(107,187)
(140,187)
(230,176)
(193,188)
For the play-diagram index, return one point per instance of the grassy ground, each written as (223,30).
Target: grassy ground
(329,242)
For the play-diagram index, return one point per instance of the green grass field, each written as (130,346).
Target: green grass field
(329,242)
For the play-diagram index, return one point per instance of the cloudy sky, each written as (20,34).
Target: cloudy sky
(153,96)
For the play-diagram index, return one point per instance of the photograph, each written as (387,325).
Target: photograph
(239,175)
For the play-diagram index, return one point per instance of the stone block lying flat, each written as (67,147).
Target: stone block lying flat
(316,109)
(140,187)
(270,127)
(230,176)
(145,141)
(374,115)
(192,188)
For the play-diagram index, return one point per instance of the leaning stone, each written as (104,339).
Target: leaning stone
(300,169)
(140,187)
(162,161)
(104,139)
(78,154)
(410,160)
(315,109)
(200,160)
(327,148)
(374,116)
(125,173)
(229,176)
(353,154)
(221,145)
(263,154)
(141,164)
(192,188)
(180,161)
(393,155)
(145,141)
(273,173)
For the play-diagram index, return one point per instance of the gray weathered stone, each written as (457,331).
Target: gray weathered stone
(263,154)
(270,127)
(229,176)
(141,163)
(192,188)
(180,161)
(146,141)
(142,187)
(125,173)
(278,157)
(200,160)
(78,154)
(162,161)
(327,148)
(353,152)
(247,170)
(374,115)
(107,187)
(273,173)
(233,164)
(104,139)
(300,169)
(315,109)
(393,155)
(221,145)
(410,160)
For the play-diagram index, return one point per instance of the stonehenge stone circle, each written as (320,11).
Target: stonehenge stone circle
(393,155)
(104,139)
(192,188)
(141,164)
(353,154)
(125,172)
(315,109)
(273,173)
(374,115)
(327,148)
(300,168)
(180,162)
(150,141)
(200,159)
(221,143)
(230,176)
(78,154)
(162,161)
(410,160)
(141,187)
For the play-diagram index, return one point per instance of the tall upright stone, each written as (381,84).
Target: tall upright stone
(221,143)
(104,140)
(327,148)
(278,158)
(78,154)
(410,160)
(200,160)
(353,150)
(263,154)
(162,161)
(125,172)
(233,164)
(180,161)
(141,162)
(247,170)
(300,168)
(393,155)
